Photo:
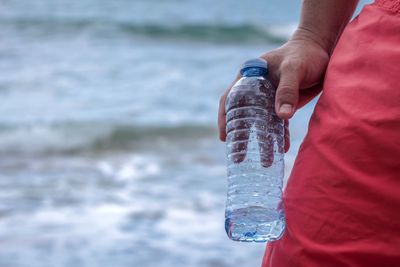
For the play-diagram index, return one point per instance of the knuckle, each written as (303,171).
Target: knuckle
(266,56)
(292,63)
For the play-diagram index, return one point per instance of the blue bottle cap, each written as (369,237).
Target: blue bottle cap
(254,63)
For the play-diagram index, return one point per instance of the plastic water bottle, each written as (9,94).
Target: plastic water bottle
(255,149)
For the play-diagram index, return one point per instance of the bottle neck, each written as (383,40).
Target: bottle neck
(254,71)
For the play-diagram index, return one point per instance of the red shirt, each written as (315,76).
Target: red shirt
(342,200)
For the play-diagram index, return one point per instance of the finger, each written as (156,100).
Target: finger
(239,121)
(237,145)
(287,136)
(222,117)
(266,146)
(238,132)
(222,113)
(287,93)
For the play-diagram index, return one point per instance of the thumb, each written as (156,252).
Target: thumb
(287,94)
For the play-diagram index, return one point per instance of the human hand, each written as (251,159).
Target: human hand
(296,68)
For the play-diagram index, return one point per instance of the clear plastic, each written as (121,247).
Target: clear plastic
(255,149)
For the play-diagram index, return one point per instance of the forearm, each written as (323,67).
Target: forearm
(324,20)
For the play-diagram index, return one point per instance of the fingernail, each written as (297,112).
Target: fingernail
(286,109)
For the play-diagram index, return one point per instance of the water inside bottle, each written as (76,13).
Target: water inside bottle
(254,211)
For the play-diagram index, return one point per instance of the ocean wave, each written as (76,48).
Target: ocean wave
(92,137)
(219,33)
(213,33)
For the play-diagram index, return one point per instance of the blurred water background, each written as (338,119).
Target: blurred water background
(108,143)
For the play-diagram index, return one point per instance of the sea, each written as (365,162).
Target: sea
(109,152)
